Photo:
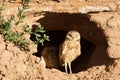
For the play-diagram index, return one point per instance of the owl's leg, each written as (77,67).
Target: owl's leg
(66,68)
(69,64)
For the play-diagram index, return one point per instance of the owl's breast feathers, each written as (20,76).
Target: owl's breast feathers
(69,51)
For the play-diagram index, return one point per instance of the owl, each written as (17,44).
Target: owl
(70,49)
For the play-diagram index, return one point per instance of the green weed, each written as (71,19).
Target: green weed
(18,37)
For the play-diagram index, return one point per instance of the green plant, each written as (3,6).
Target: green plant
(40,38)
(18,37)
(20,14)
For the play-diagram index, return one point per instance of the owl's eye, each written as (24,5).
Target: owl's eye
(77,35)
(70,35)
(68,38)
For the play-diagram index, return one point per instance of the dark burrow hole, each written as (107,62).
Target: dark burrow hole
(93,42)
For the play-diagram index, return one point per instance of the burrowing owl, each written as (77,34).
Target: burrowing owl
(70,49)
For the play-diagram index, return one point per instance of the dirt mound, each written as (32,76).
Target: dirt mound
(18,65)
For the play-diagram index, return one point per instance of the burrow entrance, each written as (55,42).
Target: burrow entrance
(93,41)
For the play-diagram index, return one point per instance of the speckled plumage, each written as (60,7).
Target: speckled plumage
(70,49)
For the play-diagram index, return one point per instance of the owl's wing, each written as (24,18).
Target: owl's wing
(62,48)
(62,53)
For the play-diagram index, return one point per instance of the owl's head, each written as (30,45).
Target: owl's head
(73,36)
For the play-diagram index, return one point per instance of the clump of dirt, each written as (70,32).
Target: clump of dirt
(18,65)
